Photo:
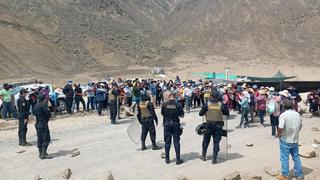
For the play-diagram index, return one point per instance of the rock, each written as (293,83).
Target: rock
(254,178)
(183,178)
(229,146)
(250,177)
(163,155)
(106,176)
(232,176)
(315,129)
(66,174)
(271,171)
(315,146)
(307,152)
(36,178)
(75,153)
(249,144)
(316,141)
(21,151)
(307,115)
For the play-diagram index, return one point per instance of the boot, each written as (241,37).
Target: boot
(179,161)
(214,159)
(143,146)
(25,144)
(155,146)
(44,154)
(40,152)
(167,158)
(203,157)
(281,177)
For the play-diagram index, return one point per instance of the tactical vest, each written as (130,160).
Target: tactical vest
(145,113)
(112,97)
(214,113)
(207,94)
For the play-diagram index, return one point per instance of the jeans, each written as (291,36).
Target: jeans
(79,99)
(7,108)
(274,124)
(69,103)
(285,150)
(252,111)
(262,113)
(91,102)
(244,117)
(188,103)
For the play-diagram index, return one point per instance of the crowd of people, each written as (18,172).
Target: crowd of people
(142,96)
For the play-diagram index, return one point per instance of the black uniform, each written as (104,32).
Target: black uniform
(114,105)
(23,114)
(146,116)
(171,111)
(214,125)
(79,98)
(68,91)
(43,115)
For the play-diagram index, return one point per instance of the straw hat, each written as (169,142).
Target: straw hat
(284,93)
(271,89)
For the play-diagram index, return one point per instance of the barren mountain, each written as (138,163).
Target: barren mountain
(25,51)
(247,29)
(108,36)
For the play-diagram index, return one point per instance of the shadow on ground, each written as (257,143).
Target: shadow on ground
(61,153)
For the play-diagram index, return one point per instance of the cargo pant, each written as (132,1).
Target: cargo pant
(214,130)
(43,136)
(148,126)
(113,111)
(172,130)
(22,132)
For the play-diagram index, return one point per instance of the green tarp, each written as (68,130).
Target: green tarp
(213,75)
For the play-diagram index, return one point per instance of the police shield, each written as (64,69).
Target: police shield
(134,130)
(223,154)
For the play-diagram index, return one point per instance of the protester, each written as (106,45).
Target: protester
(261,106)
(69,93)
(244,101)
(290,124)
(90,93)
(6,97)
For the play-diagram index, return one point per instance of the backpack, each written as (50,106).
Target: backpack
(271,107)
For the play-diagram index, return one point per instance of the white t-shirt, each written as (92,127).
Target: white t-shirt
(188,92)
(290,121)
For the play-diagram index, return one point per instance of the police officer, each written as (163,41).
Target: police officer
(43,115)
(69,93)
(213,113)
(146,116)
(23,116)
(171,111)
(114,103)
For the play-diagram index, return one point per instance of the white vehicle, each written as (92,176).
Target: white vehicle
(60,96)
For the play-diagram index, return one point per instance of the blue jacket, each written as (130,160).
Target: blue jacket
(101,94)
(153,89)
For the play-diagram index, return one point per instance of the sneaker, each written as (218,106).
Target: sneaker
(299,178)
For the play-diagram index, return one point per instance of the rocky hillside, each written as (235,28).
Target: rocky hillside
(247,29)
(110,35)
(24,51)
